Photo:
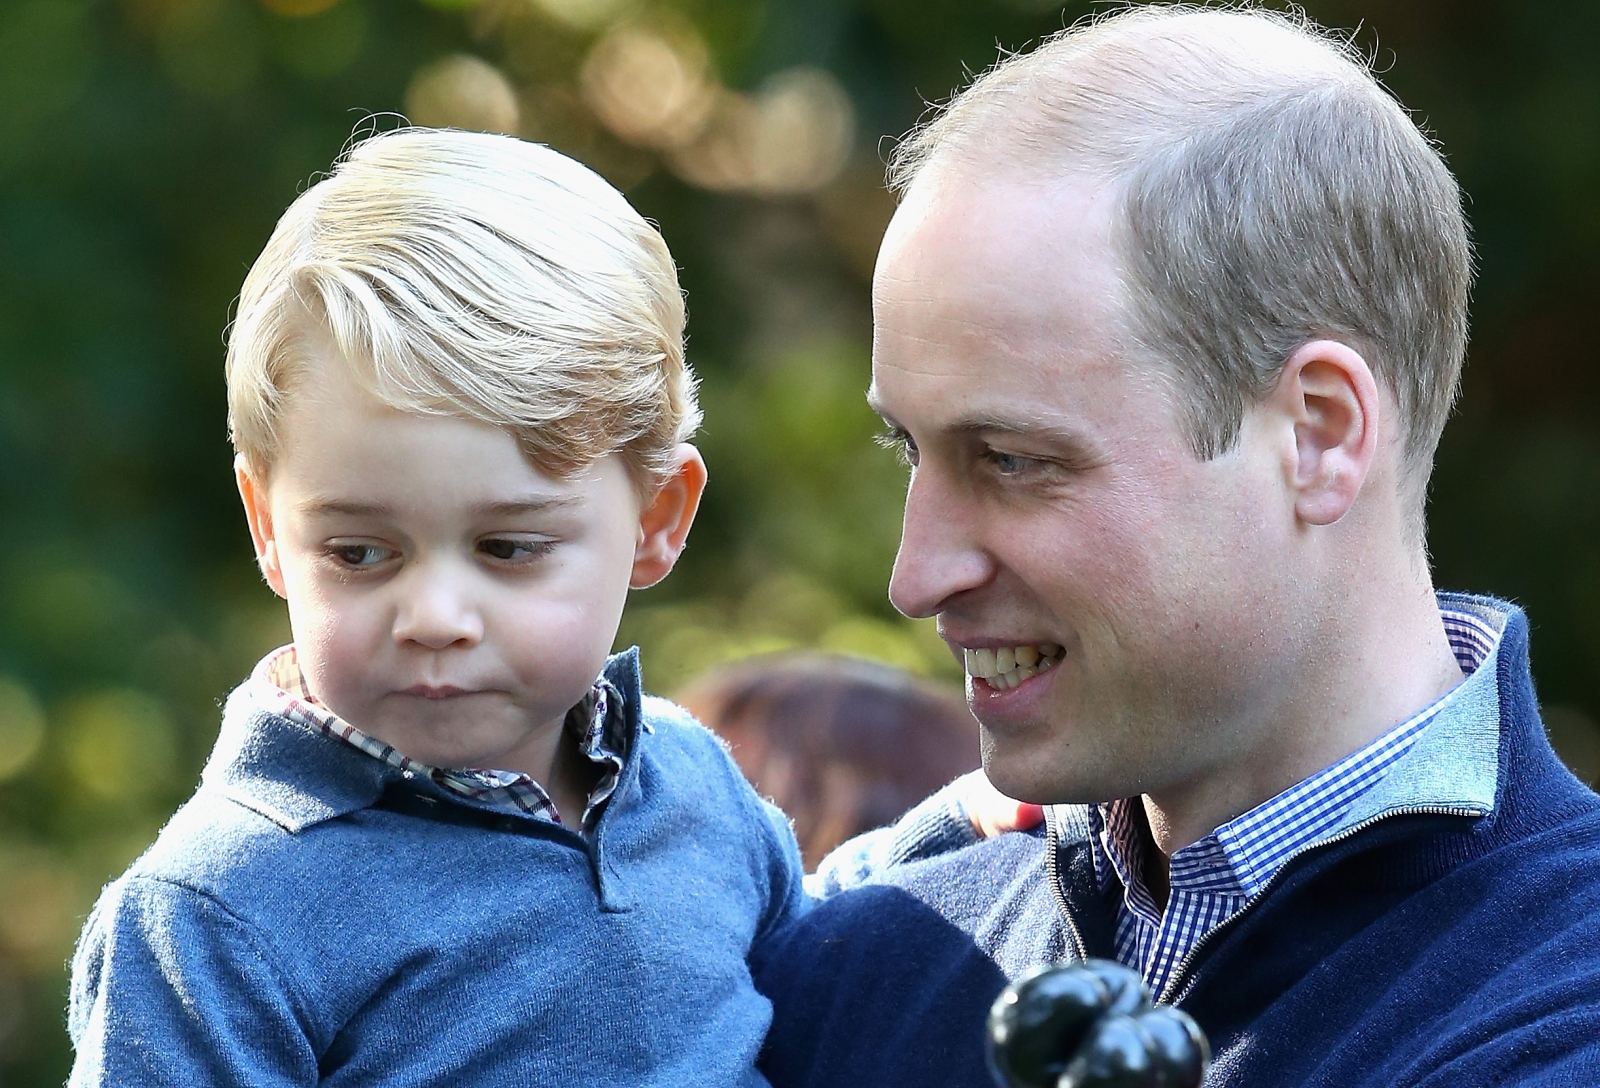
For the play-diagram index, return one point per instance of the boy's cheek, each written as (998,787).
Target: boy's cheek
(339,642)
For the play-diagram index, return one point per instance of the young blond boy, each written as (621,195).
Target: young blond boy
(444,838)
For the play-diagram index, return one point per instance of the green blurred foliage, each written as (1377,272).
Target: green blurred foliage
(147,146)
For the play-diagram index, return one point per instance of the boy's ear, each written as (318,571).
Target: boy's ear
(664,522)
(259,514)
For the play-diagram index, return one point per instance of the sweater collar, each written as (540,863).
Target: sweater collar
(1455,763)
(297,777)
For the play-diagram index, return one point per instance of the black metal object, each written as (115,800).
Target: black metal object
(1091,1025)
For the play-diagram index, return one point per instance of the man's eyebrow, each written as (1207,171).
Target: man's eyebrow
(984,423)
(1068,440)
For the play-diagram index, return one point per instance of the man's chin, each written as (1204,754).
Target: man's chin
(1043,774)
(1023,778)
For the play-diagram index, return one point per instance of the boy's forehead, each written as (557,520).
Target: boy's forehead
(344,448)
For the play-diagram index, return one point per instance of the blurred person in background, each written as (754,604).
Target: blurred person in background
(841,744)
(1168,324)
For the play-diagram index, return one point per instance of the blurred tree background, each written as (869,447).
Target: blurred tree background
(147,147)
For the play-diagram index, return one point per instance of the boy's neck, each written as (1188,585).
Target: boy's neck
(571,779)
(553,759)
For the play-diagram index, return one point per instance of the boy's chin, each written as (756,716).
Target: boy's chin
(470,732)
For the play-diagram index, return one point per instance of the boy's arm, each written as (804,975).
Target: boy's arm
(168,987)
(962,813)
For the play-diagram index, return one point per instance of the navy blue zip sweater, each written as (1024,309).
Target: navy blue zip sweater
(1421,949)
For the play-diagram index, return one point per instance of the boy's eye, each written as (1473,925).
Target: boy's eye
(360,556)
(512,549)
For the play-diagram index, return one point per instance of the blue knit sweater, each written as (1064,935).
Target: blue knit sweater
(1420,950)
(310,917)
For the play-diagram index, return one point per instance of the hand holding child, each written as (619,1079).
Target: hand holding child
(992,812)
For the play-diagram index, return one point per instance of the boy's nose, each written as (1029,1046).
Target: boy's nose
(437,615)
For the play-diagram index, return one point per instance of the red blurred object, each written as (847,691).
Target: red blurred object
(840,744)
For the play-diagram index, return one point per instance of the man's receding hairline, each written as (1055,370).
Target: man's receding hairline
(1148,32)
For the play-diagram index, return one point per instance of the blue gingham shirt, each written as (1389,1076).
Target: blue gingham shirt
(596,723)
(1213,879)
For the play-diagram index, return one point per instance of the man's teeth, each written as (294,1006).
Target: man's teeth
(1011,665)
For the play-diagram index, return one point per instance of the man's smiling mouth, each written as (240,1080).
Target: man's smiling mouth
(1005,667)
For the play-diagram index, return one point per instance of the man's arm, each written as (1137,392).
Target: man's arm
(966,811)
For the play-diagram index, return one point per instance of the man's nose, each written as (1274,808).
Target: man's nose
(939,557)
(438,612)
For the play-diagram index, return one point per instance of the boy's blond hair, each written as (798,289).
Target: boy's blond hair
(476,276)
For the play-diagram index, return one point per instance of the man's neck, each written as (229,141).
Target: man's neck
(1388,658)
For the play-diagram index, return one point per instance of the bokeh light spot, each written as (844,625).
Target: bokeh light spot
(65,607)
(650,88)
(21,727)
(583,14)
(462,91)
(118,744)
(794,136)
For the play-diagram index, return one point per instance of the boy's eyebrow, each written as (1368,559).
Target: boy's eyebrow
(504,508)
(513,507)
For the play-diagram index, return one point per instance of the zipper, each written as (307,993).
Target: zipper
(1178,976)
(1052,869)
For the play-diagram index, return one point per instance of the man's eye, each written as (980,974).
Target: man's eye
(510,550)
(360,556)
(1011,464)
(901,445)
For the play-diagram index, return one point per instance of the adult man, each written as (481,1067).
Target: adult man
(1169,322)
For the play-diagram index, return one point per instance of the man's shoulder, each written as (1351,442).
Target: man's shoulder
(889,983)
(1481,973)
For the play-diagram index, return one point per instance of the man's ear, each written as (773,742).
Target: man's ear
(664,522)
(258,513)
(1328,395)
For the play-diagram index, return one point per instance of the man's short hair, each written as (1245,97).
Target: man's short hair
(476,276)
(1274,193)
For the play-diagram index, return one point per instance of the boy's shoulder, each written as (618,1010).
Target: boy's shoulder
(281,805)
(666,731)
(678,730)
(685,753)
(264,818)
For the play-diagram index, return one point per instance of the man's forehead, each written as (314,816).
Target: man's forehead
(997,266)
(985,215)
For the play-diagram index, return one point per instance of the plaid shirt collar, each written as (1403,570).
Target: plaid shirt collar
(1213,879)
(596,722)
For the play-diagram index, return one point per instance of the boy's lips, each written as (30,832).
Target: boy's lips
(429,691)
